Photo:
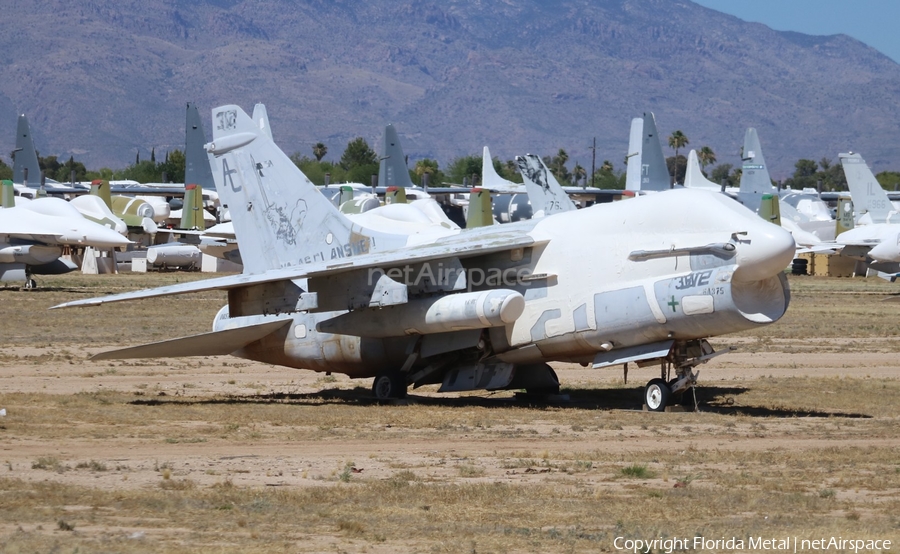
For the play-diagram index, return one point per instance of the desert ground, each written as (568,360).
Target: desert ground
(797,436)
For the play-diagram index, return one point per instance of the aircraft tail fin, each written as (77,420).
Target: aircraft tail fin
(490,179)
(196,161)
(694,177)
(192,210)
(654,171)
(769,208)
(100,187)
(26,168)
(261,118)
(843,220)
(392,170)
(546,195)
(867,193)
(480,213)
(276,210)
(633,157)
(754,174)
(9,194)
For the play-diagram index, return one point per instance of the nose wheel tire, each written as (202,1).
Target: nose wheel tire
(657,395)
(389,385)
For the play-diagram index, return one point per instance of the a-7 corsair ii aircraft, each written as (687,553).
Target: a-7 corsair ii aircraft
(644,280)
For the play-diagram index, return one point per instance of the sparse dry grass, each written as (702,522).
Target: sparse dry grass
(247,465)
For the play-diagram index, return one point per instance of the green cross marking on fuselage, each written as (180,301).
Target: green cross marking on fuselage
(672,303)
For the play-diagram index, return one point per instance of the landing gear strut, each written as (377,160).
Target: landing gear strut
(683,358)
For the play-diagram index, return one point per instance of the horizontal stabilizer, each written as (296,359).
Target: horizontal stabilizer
(216,343)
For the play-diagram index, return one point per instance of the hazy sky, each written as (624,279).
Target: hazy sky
(874,22)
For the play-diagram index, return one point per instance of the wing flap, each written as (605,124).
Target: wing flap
(633,354)
(465,247)
(215,343)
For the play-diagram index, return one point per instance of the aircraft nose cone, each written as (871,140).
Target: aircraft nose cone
(763,252)
(888,250)
(98,237)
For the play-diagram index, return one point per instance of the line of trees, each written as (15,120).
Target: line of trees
(807,173)
(359,162)
(170,170)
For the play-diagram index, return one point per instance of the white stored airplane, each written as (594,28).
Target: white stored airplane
(869,197)
(876,236)
(32,236)
(485,308)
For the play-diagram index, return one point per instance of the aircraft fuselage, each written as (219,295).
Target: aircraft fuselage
(678,265)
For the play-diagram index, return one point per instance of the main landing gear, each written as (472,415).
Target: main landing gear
(389,385)
(683,359)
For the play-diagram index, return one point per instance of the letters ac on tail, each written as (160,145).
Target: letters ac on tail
(648,280)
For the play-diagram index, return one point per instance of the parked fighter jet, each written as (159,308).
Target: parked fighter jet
(484,308)
(869,198)
(876,236)
(32,236)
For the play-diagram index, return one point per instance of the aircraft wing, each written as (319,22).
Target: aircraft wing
(60,190)
(823,248)
(459,246)
(24,234)
(832,196)
(145,190)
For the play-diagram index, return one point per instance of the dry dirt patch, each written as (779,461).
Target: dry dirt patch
(797,435)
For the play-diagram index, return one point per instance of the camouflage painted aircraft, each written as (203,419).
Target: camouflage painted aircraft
(645,281)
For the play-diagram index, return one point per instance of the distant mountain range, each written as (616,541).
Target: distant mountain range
(104,79)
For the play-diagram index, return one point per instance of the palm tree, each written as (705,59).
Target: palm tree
(706,156)
(319,151)
(558,165)
(578,173)
(678,140)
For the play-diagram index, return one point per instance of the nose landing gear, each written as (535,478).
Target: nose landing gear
(683,358)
